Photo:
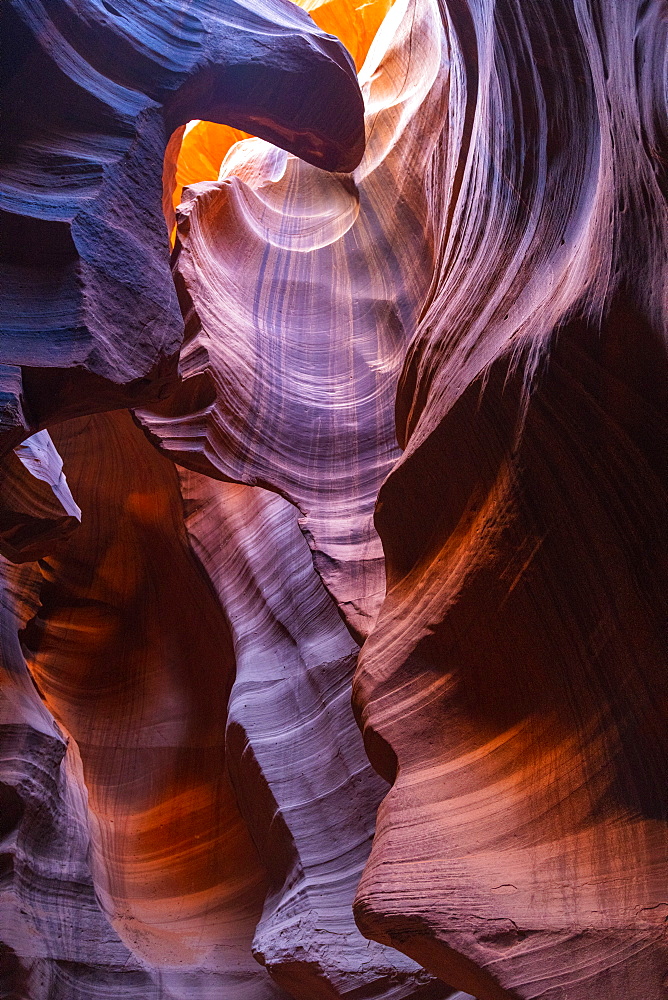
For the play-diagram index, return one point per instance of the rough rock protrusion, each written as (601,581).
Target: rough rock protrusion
(91,93)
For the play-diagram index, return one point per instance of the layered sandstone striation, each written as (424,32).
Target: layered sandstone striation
(291,361)
(514,688)
(91,93)
(413,402)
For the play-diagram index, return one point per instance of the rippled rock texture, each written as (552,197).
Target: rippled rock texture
(91,92)
(514,687)
(413,402)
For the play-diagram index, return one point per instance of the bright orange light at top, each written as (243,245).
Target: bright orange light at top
(203,149)
(354,22)
(205,144)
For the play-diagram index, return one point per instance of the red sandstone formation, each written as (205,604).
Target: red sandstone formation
(514,689)
(466,333)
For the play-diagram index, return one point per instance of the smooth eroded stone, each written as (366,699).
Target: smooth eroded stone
(301,291)
(37,510)
(514,689)
(133,656)
(295,755)
(91,93)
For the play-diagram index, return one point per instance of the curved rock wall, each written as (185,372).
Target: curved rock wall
(91,92)
(419,407)
(292,360)
(514,688)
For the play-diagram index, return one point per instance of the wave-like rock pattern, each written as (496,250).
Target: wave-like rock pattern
(213,841)
(185,802)
(294,752)
(55,942)
(138,672)
(196,152)
(91,92)
(133,656)
(514,688)
(301,291)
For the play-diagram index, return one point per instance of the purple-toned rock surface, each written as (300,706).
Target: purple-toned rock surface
(514,689)
(397,431)
(91,92)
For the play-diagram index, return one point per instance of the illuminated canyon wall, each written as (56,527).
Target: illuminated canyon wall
(333,551)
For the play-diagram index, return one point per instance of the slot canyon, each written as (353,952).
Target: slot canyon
(333,519)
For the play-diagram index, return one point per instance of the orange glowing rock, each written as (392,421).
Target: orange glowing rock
(204,146)
(421,417)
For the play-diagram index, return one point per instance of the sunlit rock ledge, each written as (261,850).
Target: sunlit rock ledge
(333,511)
